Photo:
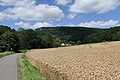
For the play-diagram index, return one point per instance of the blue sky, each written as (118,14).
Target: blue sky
(32,14)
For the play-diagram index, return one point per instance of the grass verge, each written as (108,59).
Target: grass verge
(23,51)
(6,54)
(27,71)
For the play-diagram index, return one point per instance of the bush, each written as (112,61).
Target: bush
(23,51)
(6,53)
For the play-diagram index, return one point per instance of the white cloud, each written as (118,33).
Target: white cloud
(95,24)
(27,10)
(97,6)
(7,2)
(2,16)
(40,12)
(17,2)
(63,2)
(35,26)
(100,23)
(40,24)
(23,25)
(71,16)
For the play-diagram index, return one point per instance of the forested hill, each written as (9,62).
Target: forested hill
(49,37)
(111,34)
(69,34)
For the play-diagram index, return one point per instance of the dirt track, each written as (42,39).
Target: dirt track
(86,62)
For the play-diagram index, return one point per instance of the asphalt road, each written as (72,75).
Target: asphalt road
(8,67)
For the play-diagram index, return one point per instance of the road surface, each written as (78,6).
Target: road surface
(8,67)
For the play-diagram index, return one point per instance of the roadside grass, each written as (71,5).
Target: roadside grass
(6,53)
(27,71)
(23,51)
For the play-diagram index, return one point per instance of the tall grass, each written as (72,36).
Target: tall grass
(23,51)
(6,54)
(27,71)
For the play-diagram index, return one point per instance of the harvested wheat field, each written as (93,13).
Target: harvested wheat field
(85,62)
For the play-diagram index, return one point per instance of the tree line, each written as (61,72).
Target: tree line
(12,40)
(111,34)
(15,40)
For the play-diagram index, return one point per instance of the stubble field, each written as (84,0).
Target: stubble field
(85,62)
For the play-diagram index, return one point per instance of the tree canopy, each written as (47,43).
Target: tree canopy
(50,37)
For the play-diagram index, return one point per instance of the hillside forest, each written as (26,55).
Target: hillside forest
(51,37)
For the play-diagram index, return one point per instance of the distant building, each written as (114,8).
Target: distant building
(65,45)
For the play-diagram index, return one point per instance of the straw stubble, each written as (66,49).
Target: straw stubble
(85,62)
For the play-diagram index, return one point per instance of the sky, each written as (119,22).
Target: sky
(33,14)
